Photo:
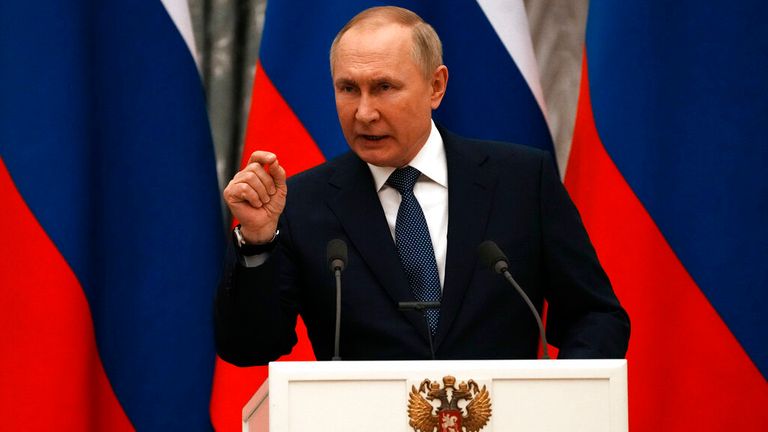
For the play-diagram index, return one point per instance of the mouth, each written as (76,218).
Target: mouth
(373,137)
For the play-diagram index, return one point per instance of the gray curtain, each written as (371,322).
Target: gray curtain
(227,35)
(557,31)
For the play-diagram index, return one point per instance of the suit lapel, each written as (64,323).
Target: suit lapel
(470,189)
(358,208)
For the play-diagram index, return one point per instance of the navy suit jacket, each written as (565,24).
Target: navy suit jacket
(498,191)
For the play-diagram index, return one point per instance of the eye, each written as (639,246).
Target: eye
(385,86)
(346,88)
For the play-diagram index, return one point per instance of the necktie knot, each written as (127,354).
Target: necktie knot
(403,179)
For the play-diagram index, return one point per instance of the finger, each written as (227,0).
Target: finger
(243,192)
(278,173)
(262,157)
(256,179)
(263,176)
(234,193)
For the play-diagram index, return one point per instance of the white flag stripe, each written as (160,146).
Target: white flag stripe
(510,22)
(179,12)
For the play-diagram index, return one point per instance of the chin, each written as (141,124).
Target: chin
(376,158)
(373,160)
(375,155)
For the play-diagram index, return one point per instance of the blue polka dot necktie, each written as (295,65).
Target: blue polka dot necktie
(414,244)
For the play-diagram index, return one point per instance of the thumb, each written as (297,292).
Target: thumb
(278,173)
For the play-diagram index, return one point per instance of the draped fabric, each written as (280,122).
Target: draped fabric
(111,223)
(665,169)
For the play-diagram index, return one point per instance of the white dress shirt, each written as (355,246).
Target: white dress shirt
(431,190)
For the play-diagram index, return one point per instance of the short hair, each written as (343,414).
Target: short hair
(427,49)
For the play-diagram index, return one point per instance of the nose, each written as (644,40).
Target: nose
(366,110)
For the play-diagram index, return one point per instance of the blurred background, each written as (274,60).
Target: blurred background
(121,120)
(228,33)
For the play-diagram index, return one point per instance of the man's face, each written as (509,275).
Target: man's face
(383,100)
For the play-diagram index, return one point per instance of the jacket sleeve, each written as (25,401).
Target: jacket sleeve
(256,308)
(585,319)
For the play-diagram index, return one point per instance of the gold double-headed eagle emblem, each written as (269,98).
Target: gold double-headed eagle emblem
(448,408)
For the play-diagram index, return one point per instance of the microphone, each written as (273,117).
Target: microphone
(421,306)
(494,258)
(337,261)
(337,254)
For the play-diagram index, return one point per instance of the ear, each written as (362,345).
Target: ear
(439,85)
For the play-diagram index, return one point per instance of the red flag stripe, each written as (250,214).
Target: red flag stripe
(51,376)
(273,126)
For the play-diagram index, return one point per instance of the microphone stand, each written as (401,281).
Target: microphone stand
(337,260)
(542,333)
(337,274)
(421,307)
(494,258)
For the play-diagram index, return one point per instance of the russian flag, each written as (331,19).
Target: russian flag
(493,93)
(669,147)
(110,229)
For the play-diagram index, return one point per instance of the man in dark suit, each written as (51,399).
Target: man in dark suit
(409,242)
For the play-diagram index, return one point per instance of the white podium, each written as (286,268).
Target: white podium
(525,395)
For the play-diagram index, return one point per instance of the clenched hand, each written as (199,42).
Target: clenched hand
(256,197)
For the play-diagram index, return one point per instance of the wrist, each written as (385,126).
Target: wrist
(247,248)
(247,237)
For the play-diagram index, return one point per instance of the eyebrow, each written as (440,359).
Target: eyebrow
(385,79)
(344,81)
(374,81)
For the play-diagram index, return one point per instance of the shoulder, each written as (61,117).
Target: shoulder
(323,173)
(494,154)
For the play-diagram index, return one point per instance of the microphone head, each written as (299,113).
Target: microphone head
(337,254)
(491,256)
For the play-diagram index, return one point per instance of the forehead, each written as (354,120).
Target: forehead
(367,46)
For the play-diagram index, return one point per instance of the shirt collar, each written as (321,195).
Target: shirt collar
(430,161)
